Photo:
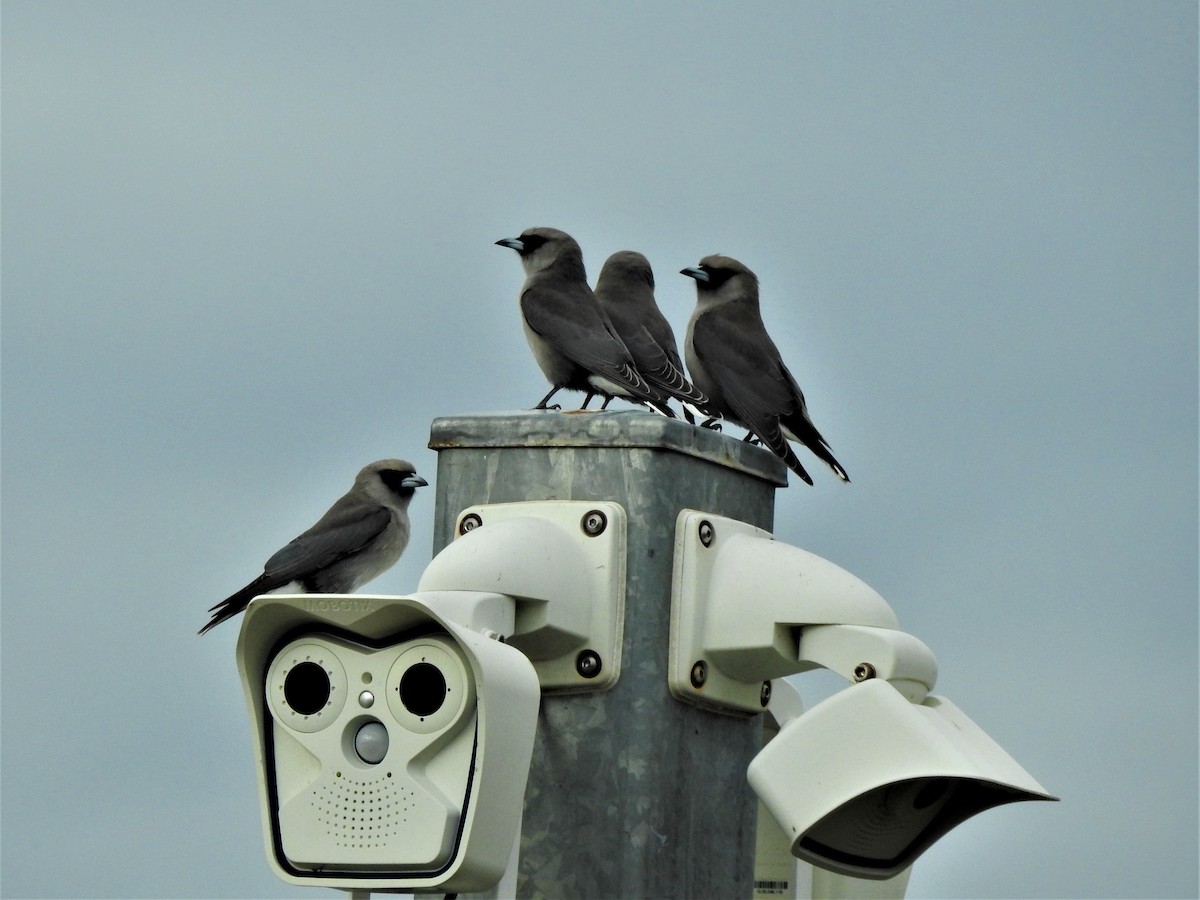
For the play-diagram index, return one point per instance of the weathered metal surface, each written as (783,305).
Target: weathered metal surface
(631,793)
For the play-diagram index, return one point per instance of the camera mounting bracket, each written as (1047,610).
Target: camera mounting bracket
(563,563)
(741,603)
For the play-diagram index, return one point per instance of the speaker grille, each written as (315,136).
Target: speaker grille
(363,813)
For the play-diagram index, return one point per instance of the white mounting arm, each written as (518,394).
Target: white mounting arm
(860,652)
(747,609)
(563,563)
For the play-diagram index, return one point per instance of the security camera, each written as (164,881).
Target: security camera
(395,734)
(393,741)
(866,781)
(775,867)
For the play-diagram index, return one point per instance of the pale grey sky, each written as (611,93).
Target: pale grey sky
(248,248)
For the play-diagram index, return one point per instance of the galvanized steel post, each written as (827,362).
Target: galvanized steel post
(631,793)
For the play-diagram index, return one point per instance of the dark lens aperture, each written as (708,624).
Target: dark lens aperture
(306,688)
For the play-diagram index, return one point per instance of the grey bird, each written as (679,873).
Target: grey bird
(625,290)
(733,360)
(361,536)
(569,333)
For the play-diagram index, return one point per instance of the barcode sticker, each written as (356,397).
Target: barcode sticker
(771,887)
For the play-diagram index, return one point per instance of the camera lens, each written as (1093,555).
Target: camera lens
(931,791)
(423,689)
(306,688)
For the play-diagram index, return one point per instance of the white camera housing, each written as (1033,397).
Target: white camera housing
(791,878)
(393,742)
(866,781)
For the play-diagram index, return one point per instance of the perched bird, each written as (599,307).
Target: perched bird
(361,536)
(625,290)
(735,363)
(571,337)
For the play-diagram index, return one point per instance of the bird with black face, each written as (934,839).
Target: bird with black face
(572,338)
(733,360)
(360,537)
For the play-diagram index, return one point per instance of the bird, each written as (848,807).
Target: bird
(625,290)
(361,536)
(733,360)
(569,333)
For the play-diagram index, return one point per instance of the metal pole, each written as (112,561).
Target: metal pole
(631,793)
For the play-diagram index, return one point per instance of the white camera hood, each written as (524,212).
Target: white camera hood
(866,781)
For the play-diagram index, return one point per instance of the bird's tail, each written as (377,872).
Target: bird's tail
(801,430)
(793,462)
(236,602)
(652,397)
(695,404)
(825,456)
(821,451)
(775,439)
(670,382)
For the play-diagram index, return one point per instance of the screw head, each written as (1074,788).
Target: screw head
(764,694)
(706,533)
(469,522)
(864,671)
(699,673)
(588,663)
(593,522)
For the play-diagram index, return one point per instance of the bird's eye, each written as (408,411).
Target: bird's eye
(717,275)
(532,242)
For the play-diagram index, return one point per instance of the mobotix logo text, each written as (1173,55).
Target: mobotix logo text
(339,604)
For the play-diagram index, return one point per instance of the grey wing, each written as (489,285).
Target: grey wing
(663,335)
(340,533)
(585,337)
(642,333)
(754,383)
(661,366)
(745,365)
(628,328)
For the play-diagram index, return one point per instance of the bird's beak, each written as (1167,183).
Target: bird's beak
(698,274)
(414,481)
(512,243)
